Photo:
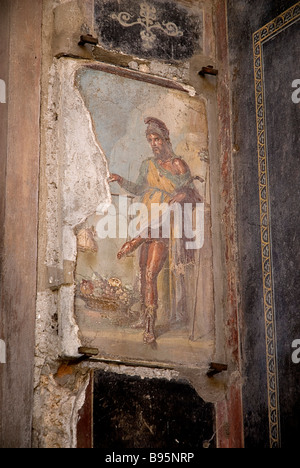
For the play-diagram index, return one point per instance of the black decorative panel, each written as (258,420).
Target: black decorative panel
(149,29)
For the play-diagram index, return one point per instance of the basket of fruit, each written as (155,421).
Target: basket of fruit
(107,295)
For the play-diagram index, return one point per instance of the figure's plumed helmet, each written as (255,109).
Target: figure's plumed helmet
(157,127)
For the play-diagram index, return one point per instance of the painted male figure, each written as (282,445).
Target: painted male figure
(164,178)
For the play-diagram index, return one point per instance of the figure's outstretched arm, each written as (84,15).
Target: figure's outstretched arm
(136,188)
(115,178)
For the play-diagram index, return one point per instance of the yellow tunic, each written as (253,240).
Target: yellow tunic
(156,185)
(161,188)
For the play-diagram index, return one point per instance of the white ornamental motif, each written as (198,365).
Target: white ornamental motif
(148,21)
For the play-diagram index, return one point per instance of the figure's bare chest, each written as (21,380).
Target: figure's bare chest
(169,166)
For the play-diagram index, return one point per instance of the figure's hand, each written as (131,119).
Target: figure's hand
(115,178)
(179,198)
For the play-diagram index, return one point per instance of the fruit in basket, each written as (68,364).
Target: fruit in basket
(108,295)
(86,288)
(115,282)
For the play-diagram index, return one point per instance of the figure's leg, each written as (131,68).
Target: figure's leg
(141,323)
(157,255)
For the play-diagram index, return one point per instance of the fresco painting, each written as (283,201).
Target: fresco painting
(144,267)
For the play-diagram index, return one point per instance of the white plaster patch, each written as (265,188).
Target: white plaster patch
(68,331)
(76,174)
(2,352)
(84,169)
(2,92)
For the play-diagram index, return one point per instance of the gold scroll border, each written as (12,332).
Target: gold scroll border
(259,38)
